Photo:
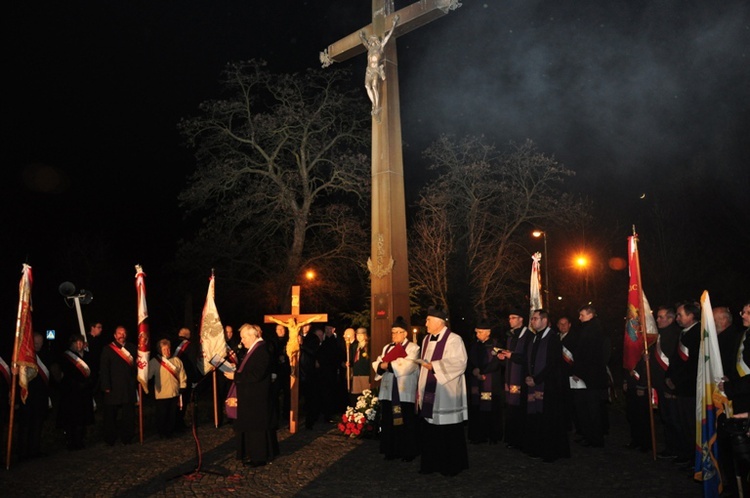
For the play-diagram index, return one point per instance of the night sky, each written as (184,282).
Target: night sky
(636,97)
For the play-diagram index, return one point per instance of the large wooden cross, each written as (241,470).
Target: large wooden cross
(388,263)
(294,322)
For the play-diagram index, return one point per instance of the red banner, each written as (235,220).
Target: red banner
(25,356)
(143,333)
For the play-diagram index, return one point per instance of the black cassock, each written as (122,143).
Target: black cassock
(485,395)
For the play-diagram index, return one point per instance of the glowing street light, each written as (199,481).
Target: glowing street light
(310,275)
(543,234)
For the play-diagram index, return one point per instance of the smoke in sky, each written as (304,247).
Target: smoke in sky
(604,86)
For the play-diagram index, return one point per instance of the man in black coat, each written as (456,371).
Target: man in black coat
(682,375)
(253,382)
(76,409)
(118,380)
(590,366)
(486,387)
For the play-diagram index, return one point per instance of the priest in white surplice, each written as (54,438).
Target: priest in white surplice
(443,406)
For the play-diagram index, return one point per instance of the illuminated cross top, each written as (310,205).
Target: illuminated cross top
(388,263)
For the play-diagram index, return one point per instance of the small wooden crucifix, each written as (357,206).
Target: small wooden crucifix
(294,323)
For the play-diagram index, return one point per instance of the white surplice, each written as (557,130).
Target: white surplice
(451,405)
(405,370)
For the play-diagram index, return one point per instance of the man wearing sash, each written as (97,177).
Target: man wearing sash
(187,352)
(118,380)
(34,411)
(169,380)
(253,381)
(664,352)
(442,398)
(398,372)
(682,377)
(76,394)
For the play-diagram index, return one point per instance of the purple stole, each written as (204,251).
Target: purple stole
(247,355)
(514,371)
(428,400)
(535,398)
(481,390)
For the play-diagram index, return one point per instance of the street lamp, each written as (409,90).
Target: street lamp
(582,262)
(543,234)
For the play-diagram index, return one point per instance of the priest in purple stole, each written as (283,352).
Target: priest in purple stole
(253,381)
(546,431)
(515,357)
(486,386)
(441,398)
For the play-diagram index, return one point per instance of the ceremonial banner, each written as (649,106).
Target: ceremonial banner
(143,333)
(212,332)
(535,285)
(25,355)
(637,307)
(709,404)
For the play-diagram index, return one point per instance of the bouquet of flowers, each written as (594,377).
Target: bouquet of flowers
(360,420)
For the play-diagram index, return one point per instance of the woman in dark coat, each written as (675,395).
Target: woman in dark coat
(253,381)
(76,394)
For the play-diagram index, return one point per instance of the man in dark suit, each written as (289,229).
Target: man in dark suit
(118,380)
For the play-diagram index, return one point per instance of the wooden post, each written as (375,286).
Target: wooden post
(388,264)
(294,322)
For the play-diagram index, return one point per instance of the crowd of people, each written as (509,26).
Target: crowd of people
(535,388)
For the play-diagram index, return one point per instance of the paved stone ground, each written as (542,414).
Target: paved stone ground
(323,463)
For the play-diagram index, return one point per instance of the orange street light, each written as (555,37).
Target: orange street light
(310,275)
(581,261)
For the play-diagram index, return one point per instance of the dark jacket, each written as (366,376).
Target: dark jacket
(117,376)
(253,381)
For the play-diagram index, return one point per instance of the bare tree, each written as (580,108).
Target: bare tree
(282,178)
(431,245)
(490,200)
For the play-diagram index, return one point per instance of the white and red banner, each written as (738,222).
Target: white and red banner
(25,355)
(638,310)
(144,346)
(535,285)
(212,331)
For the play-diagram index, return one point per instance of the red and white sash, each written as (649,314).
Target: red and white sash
(43,370)
(5,370)
(78,362)
(169,367)
(123,353)
(567,355)
(661,358)
(683,350)
(180,349)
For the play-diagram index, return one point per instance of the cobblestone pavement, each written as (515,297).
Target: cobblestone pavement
(321,462)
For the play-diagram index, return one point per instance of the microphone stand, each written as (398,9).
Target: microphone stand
(196,473)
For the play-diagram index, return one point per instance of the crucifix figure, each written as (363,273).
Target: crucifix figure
(388,264)
(375,67)
(294,323)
